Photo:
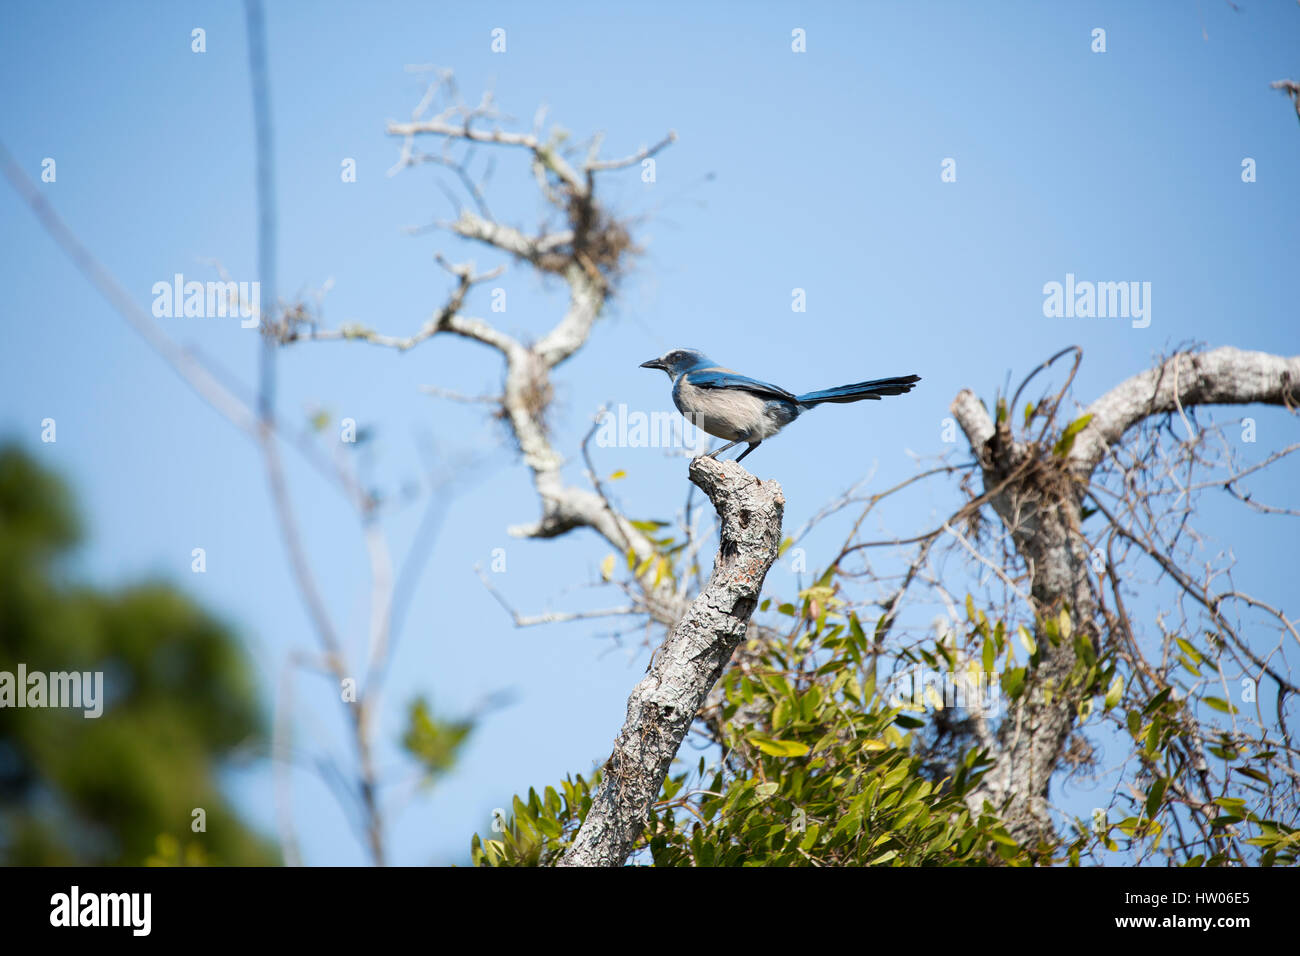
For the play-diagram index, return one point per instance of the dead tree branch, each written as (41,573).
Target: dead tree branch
(1037,492)
(664,704)
(1224,376)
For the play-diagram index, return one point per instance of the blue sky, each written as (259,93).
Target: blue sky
(818,170)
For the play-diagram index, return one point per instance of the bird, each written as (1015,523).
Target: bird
(738,408)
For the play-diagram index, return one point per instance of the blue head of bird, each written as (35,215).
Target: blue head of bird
(677,361)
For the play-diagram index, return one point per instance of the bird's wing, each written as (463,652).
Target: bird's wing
(725,378)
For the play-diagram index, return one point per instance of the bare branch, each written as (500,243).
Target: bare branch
(1224,376)
(973,418)
(545,154)
(293,327)
(552,617)
(1292,89)
(599,165)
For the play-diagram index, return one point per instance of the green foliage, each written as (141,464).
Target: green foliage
(541,828)
(1162,734)
(121,788)
(169,851)
(659,564)
(1164,737)
(819,771)
(434,743)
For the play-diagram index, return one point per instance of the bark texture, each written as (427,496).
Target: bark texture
(687,665)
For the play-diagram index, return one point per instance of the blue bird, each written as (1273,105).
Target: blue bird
(739,409)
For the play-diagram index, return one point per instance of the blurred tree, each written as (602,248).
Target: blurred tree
(178,701)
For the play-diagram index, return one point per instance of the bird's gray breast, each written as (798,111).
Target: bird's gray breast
(732,413)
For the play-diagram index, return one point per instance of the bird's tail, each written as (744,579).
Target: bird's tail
(900,385)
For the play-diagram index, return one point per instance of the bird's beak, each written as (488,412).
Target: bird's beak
(655,363)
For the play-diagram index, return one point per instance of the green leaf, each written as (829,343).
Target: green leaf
(1002,836)
(1254,774)
(1155,795)
(1153,737)
(1157,700)
(778,748)
(1115,692)
(648,526)
(810,838)
(1066,441)
(855,628)
(781,713)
